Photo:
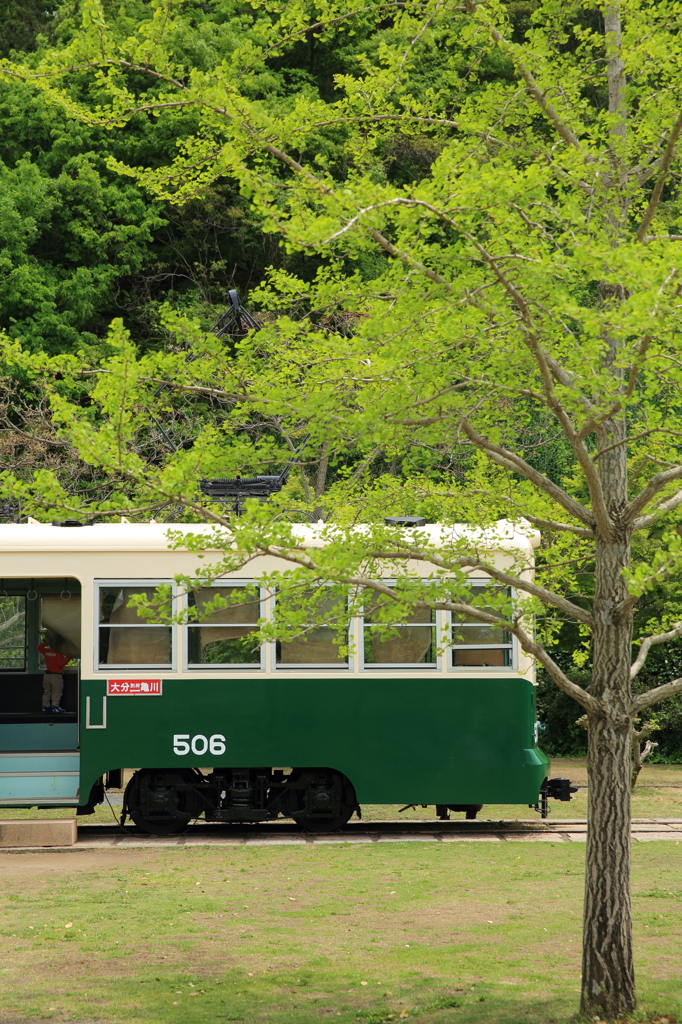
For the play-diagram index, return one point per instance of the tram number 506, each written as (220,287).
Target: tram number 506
(183,743)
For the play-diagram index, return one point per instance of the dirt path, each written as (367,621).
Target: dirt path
(42,864)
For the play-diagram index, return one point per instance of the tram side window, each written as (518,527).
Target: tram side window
(125,639)
(224,636)
(13,645)
(411,642)
(475,644)
(316,646)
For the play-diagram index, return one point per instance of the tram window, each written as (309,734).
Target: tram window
(13,645)
(225,636)
(124,638)
(479,645)
(316,646)
(411,642)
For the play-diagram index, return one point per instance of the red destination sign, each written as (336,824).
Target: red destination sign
(133,687)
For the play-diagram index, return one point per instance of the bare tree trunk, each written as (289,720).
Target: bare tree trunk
(608,982)
(608,979)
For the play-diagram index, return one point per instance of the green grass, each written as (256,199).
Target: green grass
(442,932)
(657,796)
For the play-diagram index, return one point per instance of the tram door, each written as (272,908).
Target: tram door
(40,629)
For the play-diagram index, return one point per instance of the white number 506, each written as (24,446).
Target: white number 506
(183,743)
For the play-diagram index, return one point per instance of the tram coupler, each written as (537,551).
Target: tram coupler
(557,789)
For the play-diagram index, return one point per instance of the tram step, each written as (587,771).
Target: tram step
(39,776)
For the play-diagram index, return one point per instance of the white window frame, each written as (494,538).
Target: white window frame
(479,582)
(241,667)
(313,666)
(402,666)
(138,584)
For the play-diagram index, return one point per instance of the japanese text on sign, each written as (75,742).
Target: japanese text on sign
(133,688)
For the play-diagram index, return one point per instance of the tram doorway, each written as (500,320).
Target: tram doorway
(33,612)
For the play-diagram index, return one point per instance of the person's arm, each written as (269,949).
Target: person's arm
(42,647)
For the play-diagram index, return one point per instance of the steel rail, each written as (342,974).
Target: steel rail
(278,833)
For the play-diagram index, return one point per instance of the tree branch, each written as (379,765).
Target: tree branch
(397,201)
(514,463)
(463,562)
(409,260)
(648,643)
(666,160)
(546,524)
(367,461)
(376,235)
(667,506)
(583,698)
(534,589)
(601,516)
(538,95)
(168,384)
(636,437)
(553,524)
(440,122)
(645,700)
(474,562)
(656,484)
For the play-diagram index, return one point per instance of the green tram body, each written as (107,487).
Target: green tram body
(452,738)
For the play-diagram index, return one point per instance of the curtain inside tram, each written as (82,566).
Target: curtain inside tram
(224,636)
(125,638)
(61,616)
(411,642)
(316,645)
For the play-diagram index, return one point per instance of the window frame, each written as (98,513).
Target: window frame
(479,582)
(402,666)
(193,667)
(313,666)
(137,584)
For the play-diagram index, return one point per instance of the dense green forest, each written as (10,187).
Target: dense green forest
(82,245)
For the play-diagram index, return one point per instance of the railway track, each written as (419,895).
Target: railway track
(285,833)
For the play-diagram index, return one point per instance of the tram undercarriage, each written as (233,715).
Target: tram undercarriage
(165,801)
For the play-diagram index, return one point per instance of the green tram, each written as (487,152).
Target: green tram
(297,732)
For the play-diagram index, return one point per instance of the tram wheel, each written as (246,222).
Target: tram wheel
(323,799)
(163,801)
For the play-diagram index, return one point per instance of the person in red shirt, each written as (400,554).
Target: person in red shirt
(53,680)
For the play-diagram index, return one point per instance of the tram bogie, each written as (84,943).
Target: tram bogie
(164,801)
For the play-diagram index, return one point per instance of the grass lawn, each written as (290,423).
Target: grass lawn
(658,795)
(447,932)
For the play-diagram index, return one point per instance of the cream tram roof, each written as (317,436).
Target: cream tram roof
(517,536)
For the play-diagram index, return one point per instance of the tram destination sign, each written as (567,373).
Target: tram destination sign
(134,688)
